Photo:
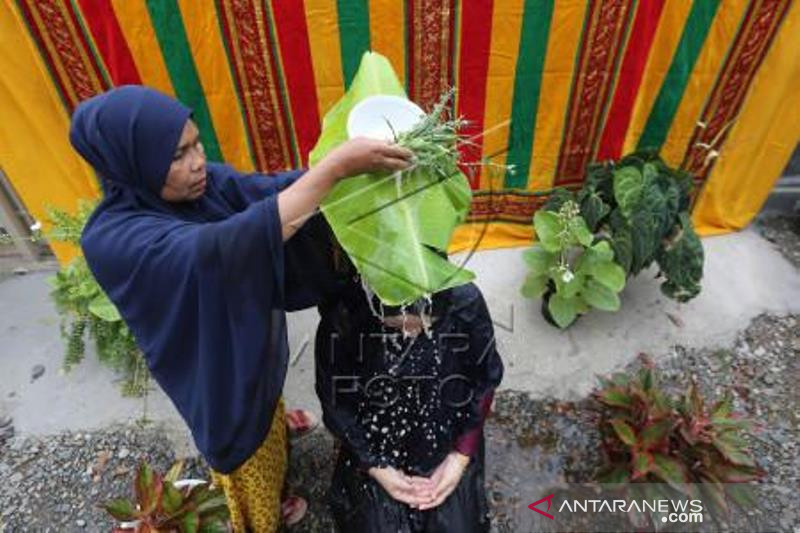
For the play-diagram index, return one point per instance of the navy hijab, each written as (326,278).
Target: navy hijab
(202,285)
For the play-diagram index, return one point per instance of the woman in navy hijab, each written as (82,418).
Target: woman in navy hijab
(203,263)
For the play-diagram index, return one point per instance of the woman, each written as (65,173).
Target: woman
(203,263)
(406,392)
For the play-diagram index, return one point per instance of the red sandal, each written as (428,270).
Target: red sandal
(293,509)
(300,422)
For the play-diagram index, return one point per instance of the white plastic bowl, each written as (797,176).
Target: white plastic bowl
(369,117)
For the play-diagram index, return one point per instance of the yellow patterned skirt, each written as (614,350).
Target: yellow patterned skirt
(254,489)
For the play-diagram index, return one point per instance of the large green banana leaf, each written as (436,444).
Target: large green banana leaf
(385,223)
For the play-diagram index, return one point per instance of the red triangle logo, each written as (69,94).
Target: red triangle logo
(548,499)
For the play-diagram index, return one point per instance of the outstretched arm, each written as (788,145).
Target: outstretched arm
(357,156)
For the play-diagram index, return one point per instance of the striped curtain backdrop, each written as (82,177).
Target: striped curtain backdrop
(548,85)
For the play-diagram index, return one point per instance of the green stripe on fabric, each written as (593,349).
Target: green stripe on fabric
(455,54)
(671,93)
(353,35)
(536,20)
(171,36)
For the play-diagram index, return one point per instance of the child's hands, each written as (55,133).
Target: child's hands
(445,478)
(412,491)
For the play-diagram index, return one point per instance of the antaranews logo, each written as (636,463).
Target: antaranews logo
(673,511)
(549,500)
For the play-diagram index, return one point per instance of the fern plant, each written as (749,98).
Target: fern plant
(87,312)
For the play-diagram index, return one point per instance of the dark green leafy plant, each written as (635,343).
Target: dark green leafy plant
(86,309)
(161,506)
(651,437)
(641,206)
(580,273)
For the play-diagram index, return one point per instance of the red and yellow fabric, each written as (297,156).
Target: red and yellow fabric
(548,85)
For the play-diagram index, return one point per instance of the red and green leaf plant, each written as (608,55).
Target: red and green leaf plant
(652,437)
(162,506)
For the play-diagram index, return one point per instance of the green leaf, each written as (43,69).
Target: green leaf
(593,210)
(539,260)
(670,470)
(735,474)
(558,198)
(628,185)
(548,228)
(616,475)
(616,397)
(569,289)
(732,451)
(563,310)
(144,485)
(190,522)
(694,400)
(647,379)
(149,487)
(171,499)
(723,423)
(580,232)
(642,462)
(682,263)
(216,525)
(653,434)
(713,493)
(624,431)
(121,509)
(102,308)
(174,472)
(723,408)
(609,274)
(602,251)
(534,286)
(743,494)
(214,503)
(600,296)
(649,173)
(622,242)
(387,226)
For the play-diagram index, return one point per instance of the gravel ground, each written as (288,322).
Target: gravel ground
(55,483)
(784,232)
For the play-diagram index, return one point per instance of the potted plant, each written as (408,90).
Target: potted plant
(571,270)
(651,437)
(170,505)
(639,206)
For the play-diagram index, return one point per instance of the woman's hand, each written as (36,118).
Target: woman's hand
(445,478)
(300,200)
(413,491)
(363,156)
